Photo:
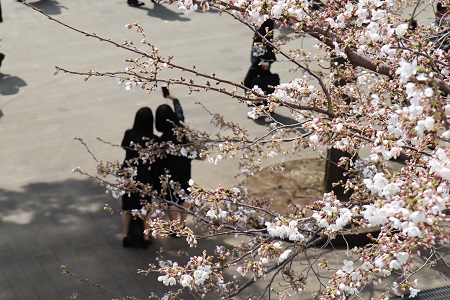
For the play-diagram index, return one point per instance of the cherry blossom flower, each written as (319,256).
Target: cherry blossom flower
(389,96)
(406,70)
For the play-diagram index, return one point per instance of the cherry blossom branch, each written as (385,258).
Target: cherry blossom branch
(135,50)
(65,270)
(291,256)
(190,70)
(91,35)
(211,222)
(392,109)
(327,37)
(86,147)
(278,269)
(189,84)
(277,49)
(243,256)
(414,11)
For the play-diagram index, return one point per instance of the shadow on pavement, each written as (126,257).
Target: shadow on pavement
(275,117)
(162,12)
(46,225)
(50,7)
(10,85)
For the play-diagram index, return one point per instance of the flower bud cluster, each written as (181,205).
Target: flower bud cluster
(198,273)
(386,90)
(285,228)
(333,215)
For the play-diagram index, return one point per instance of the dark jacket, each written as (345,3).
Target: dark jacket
(266,79)
(261,51)
(141,131)
(179,167)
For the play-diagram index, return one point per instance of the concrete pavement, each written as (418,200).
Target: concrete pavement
(51,217)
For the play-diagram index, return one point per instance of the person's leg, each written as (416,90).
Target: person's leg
(184,213)
(147,236)
(173,216)
(2,57)
(126,219)
(173,213)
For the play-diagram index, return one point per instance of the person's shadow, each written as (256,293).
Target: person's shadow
(280,119)
(162,12)
(50,7)
(10,85)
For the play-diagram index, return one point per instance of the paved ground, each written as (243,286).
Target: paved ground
(50,216)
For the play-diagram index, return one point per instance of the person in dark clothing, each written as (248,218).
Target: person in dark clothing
(178,166)
(265,79)
(261,52)
(135,3)
(441,13)
(2,56)
(442,39)
(141,133)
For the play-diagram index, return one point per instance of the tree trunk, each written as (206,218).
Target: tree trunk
(334,174)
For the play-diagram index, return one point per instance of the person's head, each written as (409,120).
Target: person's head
(165,118)
(265,66)
(441,10)
(143,121)
(412,25)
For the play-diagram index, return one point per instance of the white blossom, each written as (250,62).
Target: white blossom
(394,264)
(167,280)
(402,257)
(413,292)
(242,271)
(211,214)
(235,190)
(277,9)
(348,266)
(411,230)
(417,217)
(283,256)
(187,6)
(406,70)
(338,51)
(202,274)
(186,280)
(401,30)
(366,266)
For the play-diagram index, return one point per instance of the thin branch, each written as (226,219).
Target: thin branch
(65,270)
(280,267)
(87,148)
(288,57)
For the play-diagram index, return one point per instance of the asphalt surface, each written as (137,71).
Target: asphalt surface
(51,217)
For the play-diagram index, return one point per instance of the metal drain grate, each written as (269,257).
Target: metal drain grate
(441,293)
